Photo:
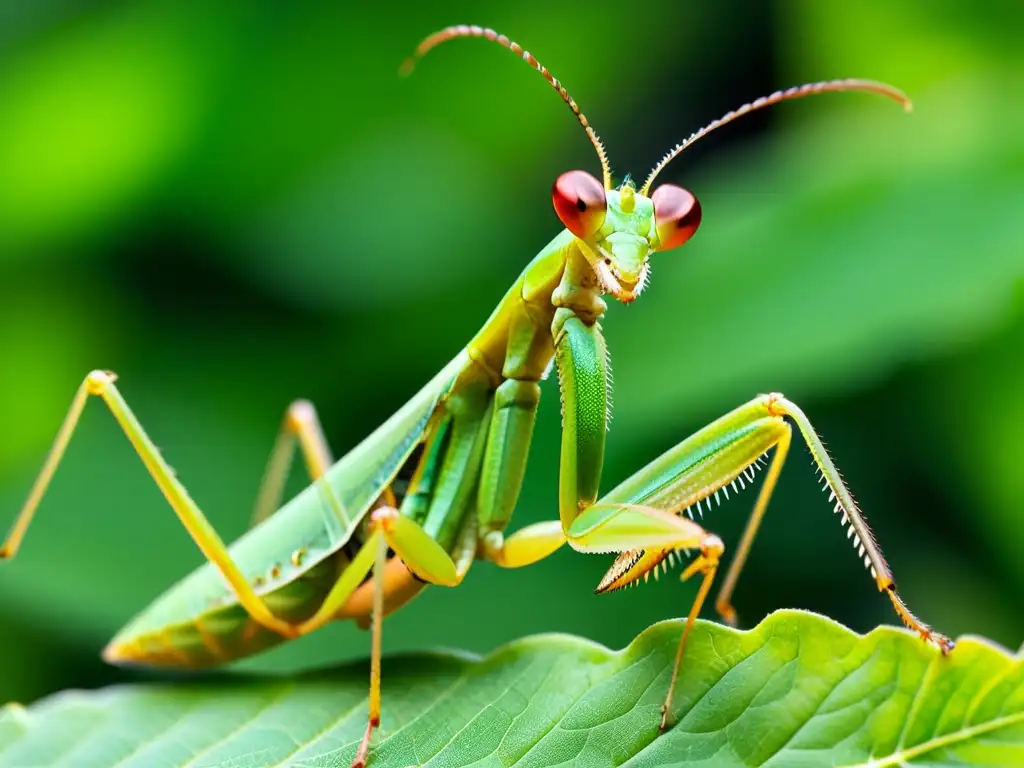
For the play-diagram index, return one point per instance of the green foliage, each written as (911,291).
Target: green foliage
(799,690)
(234,205)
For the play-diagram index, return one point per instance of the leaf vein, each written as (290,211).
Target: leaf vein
(240,727)
(154,738)
(917,701)
(900,758)
(319,735)
(817,708)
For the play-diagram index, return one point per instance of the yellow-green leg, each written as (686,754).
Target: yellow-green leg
(422,556)
(635,529)
(642,517)
(524,547)
(448,517)
(723,604)
(101,384)
(645,517)
(300,426)
(373,721)
(706,564)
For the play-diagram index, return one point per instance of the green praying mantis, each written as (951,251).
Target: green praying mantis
(434,487)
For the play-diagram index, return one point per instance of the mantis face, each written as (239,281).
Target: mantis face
(619,229)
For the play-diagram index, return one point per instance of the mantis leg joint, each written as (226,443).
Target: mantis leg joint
(299,413)
(711,551)
(770,403)
(712,547)
(97,381)
(384,518)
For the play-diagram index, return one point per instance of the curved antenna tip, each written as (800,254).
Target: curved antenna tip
(467,30)
(797,92)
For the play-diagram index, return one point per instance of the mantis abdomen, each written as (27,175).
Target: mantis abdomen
(297,556)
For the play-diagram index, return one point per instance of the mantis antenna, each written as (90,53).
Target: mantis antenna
(797,92)
(465,30)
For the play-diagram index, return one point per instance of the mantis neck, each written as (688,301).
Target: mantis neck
(579,289)
(516,342)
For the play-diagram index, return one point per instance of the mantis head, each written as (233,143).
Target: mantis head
(618,229)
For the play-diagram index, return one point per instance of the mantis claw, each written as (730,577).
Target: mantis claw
(666,719)
(727,614)
(710,553)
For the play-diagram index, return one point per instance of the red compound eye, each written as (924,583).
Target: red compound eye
(677,215)
(579,202)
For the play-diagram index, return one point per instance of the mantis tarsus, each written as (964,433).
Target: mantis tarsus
(434,488)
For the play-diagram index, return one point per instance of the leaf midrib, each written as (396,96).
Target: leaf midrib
(903,756)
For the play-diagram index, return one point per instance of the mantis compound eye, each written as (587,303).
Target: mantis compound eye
(677,215)
(579,202)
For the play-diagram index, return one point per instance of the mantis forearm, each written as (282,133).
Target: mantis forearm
(583,375)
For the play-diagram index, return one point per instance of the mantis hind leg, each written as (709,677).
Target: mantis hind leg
(301,426)
(101,384)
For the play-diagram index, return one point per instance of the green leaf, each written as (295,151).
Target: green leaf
(799,690)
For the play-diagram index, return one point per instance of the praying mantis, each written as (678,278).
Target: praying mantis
(434,488)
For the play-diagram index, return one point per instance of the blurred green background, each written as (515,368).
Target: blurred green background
(236,204)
